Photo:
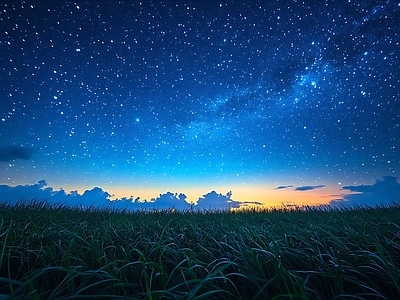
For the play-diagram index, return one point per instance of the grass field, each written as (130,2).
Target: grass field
(52,252)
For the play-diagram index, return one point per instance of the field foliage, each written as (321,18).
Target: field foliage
(54,252)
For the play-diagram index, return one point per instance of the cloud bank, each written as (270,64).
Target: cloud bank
(309,187)
(94,197)
(384,191)
(98,198)
(10,153)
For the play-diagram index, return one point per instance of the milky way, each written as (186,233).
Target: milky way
(200,94)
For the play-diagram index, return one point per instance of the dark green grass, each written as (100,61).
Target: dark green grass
(52,252)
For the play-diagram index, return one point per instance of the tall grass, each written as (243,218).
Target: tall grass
(55,252)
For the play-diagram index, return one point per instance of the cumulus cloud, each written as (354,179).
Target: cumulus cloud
(98,198)
(10,153)
(95,197)
(309,187)
(213,200)
(284,187)
(381,192)
(170,200)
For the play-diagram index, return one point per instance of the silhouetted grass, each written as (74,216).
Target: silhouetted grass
(55,252)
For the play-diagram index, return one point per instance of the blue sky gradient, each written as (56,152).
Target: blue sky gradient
(150,98)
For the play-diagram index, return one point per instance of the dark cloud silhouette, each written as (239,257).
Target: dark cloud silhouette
(170,200)
(381,192)
(213,200)
(98,198)
(284,187)
(95,197)
(250,203)
(10,153)
(164,201)
(309,187)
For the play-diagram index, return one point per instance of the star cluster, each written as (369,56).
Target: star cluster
(201,92)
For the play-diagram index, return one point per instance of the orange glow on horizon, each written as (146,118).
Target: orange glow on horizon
(267,195)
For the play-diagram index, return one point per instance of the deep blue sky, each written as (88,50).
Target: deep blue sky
(189,97)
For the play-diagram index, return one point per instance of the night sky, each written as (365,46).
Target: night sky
(292,102)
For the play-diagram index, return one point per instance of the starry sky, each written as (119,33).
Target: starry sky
(292,102)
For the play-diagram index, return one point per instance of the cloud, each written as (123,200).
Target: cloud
(10,153)
(98,198)
(381,192)
(309,187)
(95,197)
(284,187)
(250,203)
(170,200)
(213,200)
